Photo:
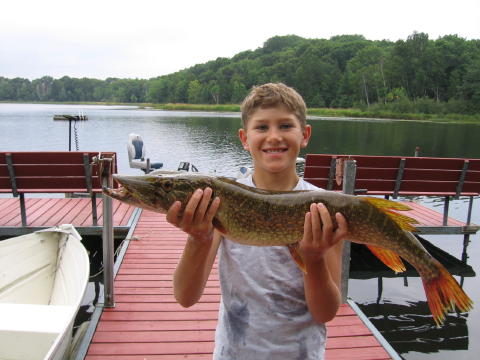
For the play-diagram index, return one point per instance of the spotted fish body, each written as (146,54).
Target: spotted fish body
(258,217)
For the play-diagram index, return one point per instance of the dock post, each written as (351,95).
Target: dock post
(349,175)
(105,170)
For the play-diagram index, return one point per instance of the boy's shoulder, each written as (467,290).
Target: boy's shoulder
(305,185)
(301,185)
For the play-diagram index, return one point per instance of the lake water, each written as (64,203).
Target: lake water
(210,142)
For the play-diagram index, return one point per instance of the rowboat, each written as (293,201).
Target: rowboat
(43,277)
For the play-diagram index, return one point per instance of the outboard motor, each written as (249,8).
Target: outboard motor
(136,155)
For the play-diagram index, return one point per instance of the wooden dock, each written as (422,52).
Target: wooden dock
(147,323)
(48,212)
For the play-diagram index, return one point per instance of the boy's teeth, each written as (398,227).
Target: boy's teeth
(274,150)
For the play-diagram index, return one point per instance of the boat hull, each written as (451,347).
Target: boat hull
(43,277)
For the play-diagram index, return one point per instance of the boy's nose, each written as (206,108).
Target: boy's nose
(274,135)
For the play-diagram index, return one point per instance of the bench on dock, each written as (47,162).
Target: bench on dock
(403,176)
(44,172)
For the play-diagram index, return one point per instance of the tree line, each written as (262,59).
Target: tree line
(413,75)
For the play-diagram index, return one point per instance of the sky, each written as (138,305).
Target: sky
(149,38)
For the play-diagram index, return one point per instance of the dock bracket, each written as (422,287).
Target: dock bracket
(13,183)
(106,163)
(398,181)
(88,182)
(461,179)
(331,173)
(349,177)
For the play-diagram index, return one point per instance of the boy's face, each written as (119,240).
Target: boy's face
(274,137)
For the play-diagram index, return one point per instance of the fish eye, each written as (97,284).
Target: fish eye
(167,185)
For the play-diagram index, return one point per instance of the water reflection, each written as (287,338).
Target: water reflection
(405,323)
(394,138)
(410,327)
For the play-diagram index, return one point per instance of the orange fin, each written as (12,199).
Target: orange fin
(293,248)
(444,295)
(385,203)
(388,257)
(405,222)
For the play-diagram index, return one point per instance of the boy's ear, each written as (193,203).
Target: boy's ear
(307,133)
(242,134)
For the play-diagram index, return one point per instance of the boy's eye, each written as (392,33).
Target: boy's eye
(262,127)
(286,126)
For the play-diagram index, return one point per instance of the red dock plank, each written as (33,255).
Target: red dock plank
(147,323)
(55,211)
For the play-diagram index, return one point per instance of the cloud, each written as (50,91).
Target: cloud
(145,38)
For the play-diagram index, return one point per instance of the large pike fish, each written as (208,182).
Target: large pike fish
(264,218)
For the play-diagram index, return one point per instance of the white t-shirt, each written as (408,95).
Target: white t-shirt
(263,311)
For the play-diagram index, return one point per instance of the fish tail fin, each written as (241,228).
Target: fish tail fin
(293,248)
(444,294)
(390,207)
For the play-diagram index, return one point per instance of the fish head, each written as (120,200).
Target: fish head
(157,192)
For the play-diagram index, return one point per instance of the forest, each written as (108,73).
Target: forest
(418,75)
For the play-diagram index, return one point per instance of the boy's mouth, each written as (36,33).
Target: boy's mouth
(275,150)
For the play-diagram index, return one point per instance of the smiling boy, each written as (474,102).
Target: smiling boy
(269,308)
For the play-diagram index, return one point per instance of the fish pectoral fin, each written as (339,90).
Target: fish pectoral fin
(293,248)
(219,226)
(388,257)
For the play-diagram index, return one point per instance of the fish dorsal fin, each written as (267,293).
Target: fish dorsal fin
(385,203)
(388,257)
(388,207)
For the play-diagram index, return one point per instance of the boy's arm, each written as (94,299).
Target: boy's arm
(193,269)
(201,248)
(321,249)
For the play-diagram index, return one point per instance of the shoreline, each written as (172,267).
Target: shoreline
(313,113)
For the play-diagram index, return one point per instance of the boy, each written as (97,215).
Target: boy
(269,308)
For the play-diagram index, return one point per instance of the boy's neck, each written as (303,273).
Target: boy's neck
(275,182)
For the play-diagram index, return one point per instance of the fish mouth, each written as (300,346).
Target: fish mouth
(120,194)
(122,180)
(127,185)
(131,182)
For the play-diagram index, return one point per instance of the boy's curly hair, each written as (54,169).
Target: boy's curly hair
(271,95)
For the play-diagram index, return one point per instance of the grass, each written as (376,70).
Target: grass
(327,112)
(330,112)
(199,107)
(358,113)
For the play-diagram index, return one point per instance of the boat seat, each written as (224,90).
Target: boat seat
(27,331)
(34,317)
(136,155)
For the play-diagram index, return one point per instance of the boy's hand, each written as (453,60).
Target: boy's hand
(196,219)
(320,234)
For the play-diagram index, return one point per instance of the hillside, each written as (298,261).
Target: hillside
(413,75)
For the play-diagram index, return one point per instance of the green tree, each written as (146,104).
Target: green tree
(194,91)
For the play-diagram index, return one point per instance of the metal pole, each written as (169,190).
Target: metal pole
(417,151)
(69,134)
(108,245)
(349,175)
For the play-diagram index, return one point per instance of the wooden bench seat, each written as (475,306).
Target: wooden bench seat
(50,172)
(403,176)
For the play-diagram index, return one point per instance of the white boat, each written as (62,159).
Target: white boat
(43,277)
